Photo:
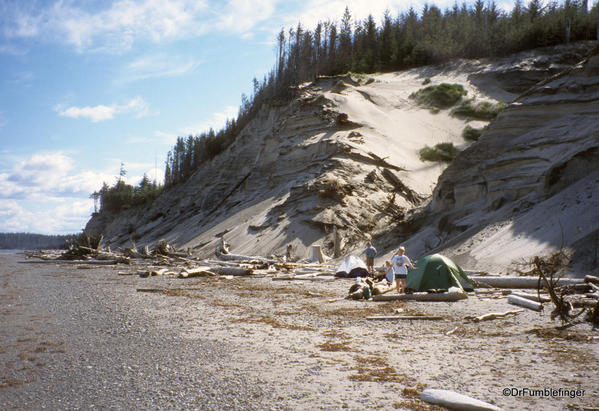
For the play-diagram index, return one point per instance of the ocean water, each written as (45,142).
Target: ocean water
(10,251)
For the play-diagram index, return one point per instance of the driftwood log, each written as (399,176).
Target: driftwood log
(518,282)
(448,297)
(196,272)
(532,297)
(524,302)
(405,317)
(455,401)
(239,257)
(491,316)
(235,271)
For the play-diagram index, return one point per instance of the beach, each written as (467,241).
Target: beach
(79,337)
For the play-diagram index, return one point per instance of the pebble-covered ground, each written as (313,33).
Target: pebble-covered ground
(75,337)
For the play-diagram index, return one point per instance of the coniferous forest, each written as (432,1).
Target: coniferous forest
(29,241)
(409,39)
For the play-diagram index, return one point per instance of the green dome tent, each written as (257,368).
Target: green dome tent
(437,272)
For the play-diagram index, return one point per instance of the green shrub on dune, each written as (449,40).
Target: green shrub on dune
(445,152)
(472,134)
(439,96)
(484,110)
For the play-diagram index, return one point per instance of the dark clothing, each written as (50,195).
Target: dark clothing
(370,252)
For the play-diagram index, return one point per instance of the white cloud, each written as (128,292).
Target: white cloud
(115,28)
(98,113)
(45,193)
(241,16)
(65,218)
(158,65)
(48,175)
(95,114)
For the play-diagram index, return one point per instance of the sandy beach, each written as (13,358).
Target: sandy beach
(82,338)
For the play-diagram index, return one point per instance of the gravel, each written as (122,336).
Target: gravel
(72,338)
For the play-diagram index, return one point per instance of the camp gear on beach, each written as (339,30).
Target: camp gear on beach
(437,272)
(352,267)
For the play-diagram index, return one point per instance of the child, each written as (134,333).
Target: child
(401,263)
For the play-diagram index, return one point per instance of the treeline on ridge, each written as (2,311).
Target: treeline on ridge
(121,196)
(408,40)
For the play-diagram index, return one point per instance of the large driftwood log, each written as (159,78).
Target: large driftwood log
(524,302)
(302,278)
(455,401)
(533,297)
(405,317)
(449,297)
(239,257)
(518,282)
(196,272)
(235,271)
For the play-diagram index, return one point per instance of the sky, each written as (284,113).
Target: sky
(87,85)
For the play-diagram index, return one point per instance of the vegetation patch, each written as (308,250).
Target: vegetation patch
(376,369)
(472,134)
(444,152)
(336,346)
(273,322)
(483,110)
(554,333)
(443,95)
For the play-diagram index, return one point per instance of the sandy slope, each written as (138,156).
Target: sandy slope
(300,170)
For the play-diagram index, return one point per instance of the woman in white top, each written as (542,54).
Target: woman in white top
(401,263)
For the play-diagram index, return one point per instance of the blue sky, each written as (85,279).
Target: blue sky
(88,84)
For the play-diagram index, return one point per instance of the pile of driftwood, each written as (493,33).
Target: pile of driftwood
(165,260)
(82,249)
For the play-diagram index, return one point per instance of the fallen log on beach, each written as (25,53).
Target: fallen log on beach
(405,317)
(455,401)
(518,282)
(524,302)
(447,297)
(235,271)
(239,257)
(196,272)
(533,297)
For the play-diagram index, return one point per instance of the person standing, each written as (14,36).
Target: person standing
(370,254)
(401,262)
